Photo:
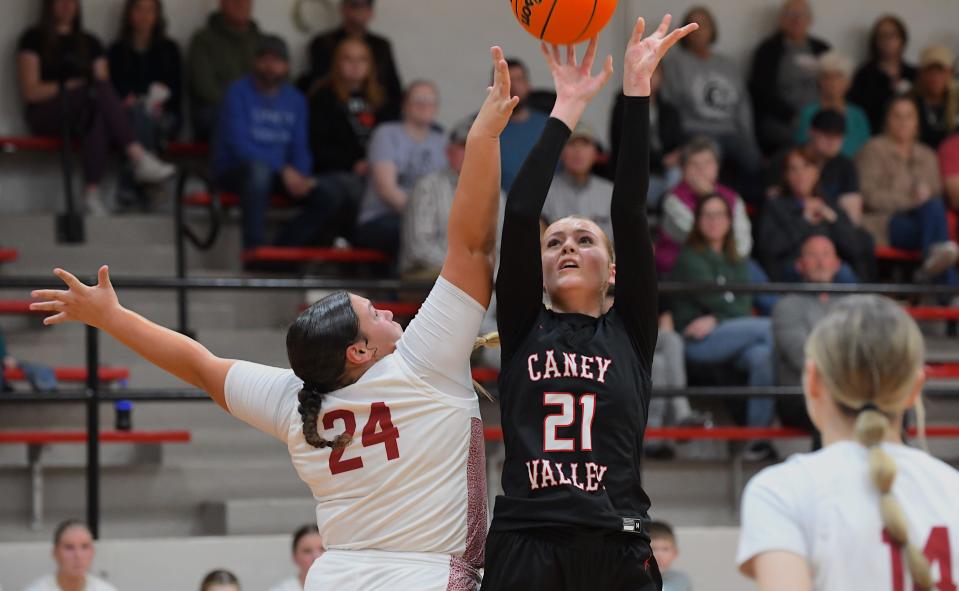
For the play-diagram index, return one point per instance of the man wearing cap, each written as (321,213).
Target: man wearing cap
(220,52)
(261,147)
(423,229)
(937,95)
(356,16)
(575,190)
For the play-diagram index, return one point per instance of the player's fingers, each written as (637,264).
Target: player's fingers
(590,56)
(571,55)
(557,58)
(608,69)
(49,294)
(664,25)
(52,306)
(103,277)
(68,278)
(638,31)
(678,34)
(55,319)
(548,55)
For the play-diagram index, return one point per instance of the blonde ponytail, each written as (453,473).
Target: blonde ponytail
(490,341)
(871,429)
(869,354)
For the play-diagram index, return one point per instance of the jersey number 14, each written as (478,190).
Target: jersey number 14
(378,429)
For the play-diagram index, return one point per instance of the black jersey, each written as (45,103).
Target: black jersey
(574,389)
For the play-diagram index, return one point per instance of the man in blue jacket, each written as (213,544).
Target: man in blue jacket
(261,148)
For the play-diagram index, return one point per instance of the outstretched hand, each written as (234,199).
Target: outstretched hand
(643,55)
(79,303)
(499,104)
(575,83)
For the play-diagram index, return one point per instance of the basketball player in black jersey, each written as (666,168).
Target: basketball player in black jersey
(575,384)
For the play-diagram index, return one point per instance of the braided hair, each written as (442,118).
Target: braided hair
(315,344)
(869,354)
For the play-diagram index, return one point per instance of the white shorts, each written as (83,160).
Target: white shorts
(380,570)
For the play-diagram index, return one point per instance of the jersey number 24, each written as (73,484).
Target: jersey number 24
(378,429)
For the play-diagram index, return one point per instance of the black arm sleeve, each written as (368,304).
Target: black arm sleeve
(636,286)
(519,282)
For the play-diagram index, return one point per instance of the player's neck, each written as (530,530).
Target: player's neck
(839,429)
(578,303)
(68,583)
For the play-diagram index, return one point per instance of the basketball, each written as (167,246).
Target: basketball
(563,22)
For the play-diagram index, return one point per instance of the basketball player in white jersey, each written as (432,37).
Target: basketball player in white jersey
(383,426)
(865,512)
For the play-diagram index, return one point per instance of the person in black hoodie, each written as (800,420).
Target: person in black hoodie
(345,106)
(800,211)
(357,15)
(145,69)
(886,72)
(783,77)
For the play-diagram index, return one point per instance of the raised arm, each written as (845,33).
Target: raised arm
(471,230)
(172,352)
(636,289)
(519,282)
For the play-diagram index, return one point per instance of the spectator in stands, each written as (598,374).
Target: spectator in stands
(73,551)
(57,51)
(423,227)
(356,16)
(400,154)
(666,137)
(575,190)
(220,580)
(710,93)
(669,371)
(666,550)
(949,166)
(885,73)
(307,547)
(220,52)
(835,70)
(145,70)
(801,211)
(261,147)
(783,78)
(795,316)
(937,95)
(524,128)
(700,165)
(901,191)
(345,106)
(719,328)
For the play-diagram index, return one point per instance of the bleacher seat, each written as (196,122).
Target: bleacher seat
(73,374)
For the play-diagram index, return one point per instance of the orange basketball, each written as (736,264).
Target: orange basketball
(563,22)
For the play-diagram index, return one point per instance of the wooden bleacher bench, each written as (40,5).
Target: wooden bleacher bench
(933,313)
(277,254)
(11,144)
(36,441)
(73,374)
(18,307)
(887,253)
(8,255)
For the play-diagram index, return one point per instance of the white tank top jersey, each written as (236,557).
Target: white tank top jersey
(291,584)
(49,583)
(824,507)
(412,480)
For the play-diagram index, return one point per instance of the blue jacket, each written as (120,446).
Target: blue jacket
(252,126)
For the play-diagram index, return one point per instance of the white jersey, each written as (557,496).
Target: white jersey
(291,584)
(824,507)
(49,583)
(413,477)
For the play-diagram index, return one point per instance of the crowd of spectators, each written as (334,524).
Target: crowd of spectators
(74,550)
(750,170)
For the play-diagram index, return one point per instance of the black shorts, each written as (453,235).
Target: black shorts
(530,560)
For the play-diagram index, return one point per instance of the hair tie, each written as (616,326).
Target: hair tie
(868,406)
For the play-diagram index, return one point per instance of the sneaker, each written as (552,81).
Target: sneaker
(760,451)
(95,206)
(150,169)
(941,256)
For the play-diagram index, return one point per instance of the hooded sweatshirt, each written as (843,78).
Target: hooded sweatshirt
(218,56)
